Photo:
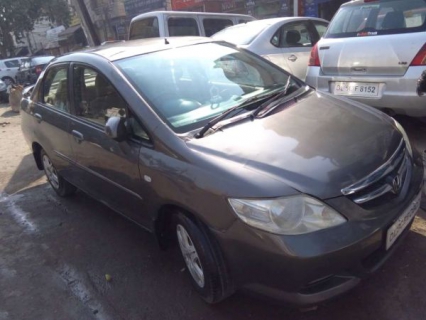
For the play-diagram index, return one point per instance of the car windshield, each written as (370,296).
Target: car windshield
(241,34)
(378,18)
(188,86)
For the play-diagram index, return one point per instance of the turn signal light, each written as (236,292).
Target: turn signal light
(314,60)
(420,58)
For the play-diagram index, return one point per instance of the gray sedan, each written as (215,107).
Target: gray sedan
(287,42)
(265,184)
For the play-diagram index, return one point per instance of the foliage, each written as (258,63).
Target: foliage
(19,16)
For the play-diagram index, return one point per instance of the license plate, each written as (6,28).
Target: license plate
(398,227)
(356,89)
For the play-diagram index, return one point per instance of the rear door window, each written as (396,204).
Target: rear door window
(295,34)
(378,18)
(211,26)
(182,27)
(145,28)
(55,89)
(12,63)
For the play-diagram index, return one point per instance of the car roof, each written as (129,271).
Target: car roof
(15,58)
(272,21)
(121,50)
(186,13)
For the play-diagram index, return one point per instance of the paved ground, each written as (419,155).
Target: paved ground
(54,254)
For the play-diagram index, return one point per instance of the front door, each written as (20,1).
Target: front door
(295,40)
(108,170)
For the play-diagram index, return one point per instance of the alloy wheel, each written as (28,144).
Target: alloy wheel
(190,255)
(50,171)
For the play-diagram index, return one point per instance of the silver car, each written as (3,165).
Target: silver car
(286,42)
(374,52)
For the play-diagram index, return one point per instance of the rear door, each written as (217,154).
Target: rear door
(295,40)
(51,115)
(376,39)
(108,170)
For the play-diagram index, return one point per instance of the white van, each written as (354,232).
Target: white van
(180,23)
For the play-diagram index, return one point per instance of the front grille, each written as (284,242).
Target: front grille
(385,182)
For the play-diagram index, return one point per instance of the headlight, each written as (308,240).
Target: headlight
(289,215)
(405,136)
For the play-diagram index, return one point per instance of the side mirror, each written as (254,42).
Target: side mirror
(115,128)
(26,93)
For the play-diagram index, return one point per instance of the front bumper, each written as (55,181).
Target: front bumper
(311,268)
(397,93)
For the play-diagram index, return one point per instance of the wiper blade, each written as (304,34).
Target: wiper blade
(219,118)
(274,98)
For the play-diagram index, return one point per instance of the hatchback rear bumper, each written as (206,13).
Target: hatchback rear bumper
(397,93)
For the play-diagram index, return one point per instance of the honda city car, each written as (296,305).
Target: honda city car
(265,184)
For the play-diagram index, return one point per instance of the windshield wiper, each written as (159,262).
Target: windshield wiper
(274,98)
(242,105)
(219,118)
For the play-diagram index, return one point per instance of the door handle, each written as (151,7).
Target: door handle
(78,136)
(292,58)
(38,117)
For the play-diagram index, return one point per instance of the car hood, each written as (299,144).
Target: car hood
(318,145)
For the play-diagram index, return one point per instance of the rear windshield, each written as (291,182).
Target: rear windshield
(241,34)
(378,18)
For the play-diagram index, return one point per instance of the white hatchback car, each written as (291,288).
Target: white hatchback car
(373,52)
(9,68)
(287,42)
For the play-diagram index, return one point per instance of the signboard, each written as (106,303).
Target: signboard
(134,7)
(182,4)
(285,9)
(311,8)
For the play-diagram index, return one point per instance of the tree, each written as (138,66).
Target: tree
(19,16)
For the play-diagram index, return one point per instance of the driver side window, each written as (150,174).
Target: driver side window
(96,100)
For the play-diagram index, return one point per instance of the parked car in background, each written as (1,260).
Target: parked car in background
(374,52)
(181,23)
(266,184)
(287,42)
(31,68)
(3,92)
(9,68)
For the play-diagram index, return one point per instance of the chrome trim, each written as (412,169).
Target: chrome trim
(402,172)
(379,173)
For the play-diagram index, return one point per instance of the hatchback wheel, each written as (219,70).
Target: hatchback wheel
(203,259)
(62,187)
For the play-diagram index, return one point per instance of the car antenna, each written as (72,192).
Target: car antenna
(166,41)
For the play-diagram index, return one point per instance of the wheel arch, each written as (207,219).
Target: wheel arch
(36,147)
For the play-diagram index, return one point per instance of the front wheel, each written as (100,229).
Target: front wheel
(204,260)
(62,187)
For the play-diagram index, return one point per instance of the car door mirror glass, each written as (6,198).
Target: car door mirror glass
(115,128)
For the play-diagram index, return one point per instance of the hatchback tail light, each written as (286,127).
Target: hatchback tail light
(420,58)
(38,69)
(314,60)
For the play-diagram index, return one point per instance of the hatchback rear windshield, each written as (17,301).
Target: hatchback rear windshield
(375,18)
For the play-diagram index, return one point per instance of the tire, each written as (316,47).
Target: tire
(62,187)
(203,259)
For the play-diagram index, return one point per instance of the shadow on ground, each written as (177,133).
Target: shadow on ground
(25,174)
(9,114)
